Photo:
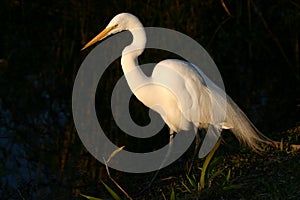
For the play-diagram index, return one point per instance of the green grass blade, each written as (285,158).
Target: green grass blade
(206,162)
(111,192)
(217,173)
(192,182)
(172,197)
(281,145)
(228,176)
(90,198)
(186,187)
(232,187)
(217,161)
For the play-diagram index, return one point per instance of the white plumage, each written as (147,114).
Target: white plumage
(177,89)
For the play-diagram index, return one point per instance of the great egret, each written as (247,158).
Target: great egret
(191,108)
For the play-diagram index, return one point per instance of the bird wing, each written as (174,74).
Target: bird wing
(188,86)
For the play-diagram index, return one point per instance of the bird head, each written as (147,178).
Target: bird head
(120,22)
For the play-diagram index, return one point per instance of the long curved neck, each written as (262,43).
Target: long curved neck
(129,61)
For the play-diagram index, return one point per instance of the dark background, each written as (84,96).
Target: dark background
(255,44)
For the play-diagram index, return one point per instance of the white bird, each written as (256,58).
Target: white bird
(188,107)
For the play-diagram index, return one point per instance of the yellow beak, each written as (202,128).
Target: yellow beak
(100,36)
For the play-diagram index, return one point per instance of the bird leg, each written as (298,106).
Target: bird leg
(172,136)
(197,148)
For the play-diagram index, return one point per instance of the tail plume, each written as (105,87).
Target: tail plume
(242,127)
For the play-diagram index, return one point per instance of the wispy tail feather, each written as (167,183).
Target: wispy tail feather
(242,127)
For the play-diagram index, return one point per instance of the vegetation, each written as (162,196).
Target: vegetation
(255,44)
